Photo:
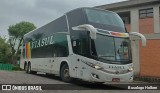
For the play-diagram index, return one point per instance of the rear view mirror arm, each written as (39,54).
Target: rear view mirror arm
(87,27)
(144,41)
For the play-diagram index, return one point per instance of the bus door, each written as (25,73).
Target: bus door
(53,64)
(59,52)
(50,60)
(80,47)
(50,65)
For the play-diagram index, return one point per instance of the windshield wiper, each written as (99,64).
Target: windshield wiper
(101,57)
(105,56)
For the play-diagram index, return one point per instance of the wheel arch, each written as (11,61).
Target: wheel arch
(62,66)
(62,63)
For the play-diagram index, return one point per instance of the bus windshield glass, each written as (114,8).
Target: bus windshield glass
(104,17)
(113,49)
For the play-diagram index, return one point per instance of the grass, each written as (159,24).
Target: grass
(16,68)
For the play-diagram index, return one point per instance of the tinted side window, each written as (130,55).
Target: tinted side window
(58,49)
(76,17)
(80,42)
(58,25)
(42,52)
(143,13)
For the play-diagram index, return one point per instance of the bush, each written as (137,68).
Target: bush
(16,68)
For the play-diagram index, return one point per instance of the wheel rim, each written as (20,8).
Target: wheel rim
(66,73)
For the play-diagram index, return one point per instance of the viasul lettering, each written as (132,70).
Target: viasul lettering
(42,42)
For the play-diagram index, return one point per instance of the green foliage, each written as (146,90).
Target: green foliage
(4,50)
(16,67)
(19,29)
(16,33)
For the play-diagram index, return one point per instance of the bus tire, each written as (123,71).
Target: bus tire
(26,68)
(64,74)
(30,71)
(99,83)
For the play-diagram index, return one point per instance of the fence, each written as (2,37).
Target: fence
(5,66)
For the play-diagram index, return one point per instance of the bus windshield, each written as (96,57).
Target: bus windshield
(107,18)
(113,49)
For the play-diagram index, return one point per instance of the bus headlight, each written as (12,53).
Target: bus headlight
(130,69)
(98,67)
(94,66)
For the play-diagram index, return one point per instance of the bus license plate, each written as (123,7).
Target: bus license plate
(115,79)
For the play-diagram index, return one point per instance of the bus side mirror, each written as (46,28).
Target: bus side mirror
(87,27)
(144,41)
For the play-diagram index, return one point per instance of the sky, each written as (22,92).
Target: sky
(39,12)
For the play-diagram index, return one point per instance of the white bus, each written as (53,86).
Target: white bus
(85,43)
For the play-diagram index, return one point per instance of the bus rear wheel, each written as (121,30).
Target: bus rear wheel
(30,71)
(26,68)
(65,75)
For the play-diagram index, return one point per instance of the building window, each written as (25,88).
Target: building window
(144,13)
(126,20)
(125,17)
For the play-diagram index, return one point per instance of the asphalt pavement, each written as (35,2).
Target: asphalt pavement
(58,86)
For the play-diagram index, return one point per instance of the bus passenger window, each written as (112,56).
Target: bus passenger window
(76,46)
(74,43)
(60,51)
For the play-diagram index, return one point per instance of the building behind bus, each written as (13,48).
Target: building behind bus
(142,16)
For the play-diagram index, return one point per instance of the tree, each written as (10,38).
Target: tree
(4,50)
(16,33)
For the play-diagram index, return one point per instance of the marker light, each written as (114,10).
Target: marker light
(130,69)
(94,66)
(97,67)
(119,34)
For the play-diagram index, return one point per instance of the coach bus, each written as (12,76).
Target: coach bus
(86,43)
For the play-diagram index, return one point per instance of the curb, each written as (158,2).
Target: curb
(147,79)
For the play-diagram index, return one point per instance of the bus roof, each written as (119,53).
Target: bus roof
(82,8)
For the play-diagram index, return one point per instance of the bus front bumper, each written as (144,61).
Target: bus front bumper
(101,76)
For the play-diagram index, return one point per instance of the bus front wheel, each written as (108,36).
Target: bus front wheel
(65,75)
